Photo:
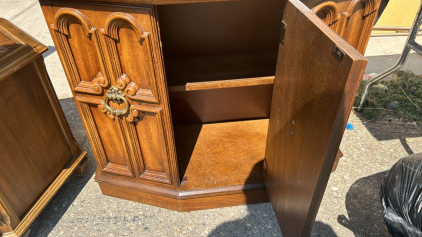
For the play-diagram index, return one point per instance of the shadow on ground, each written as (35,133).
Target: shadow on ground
(362,199)
(56,208)
(243,227)
(261,221)
(364,207)
(51,49)
(388,127)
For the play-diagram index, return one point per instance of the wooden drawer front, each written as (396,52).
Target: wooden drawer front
(110,51)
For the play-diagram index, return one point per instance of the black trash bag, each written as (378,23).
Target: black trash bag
(401,197)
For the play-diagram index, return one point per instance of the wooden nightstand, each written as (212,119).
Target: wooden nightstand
(37,150)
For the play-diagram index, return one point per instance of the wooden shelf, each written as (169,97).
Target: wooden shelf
(221,154)
(183,72)
(209,85)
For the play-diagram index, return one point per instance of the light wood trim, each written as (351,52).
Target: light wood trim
(177,194)
(46,196)
(8,217)
(208,85)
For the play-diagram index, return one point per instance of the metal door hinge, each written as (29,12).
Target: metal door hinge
(338,52)
(283,31)
(265,166)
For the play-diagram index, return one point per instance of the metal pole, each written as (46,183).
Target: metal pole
(410,45)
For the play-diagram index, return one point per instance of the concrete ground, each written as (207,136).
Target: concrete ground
(350,206)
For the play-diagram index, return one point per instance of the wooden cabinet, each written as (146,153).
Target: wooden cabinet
(201,104)
(37,150)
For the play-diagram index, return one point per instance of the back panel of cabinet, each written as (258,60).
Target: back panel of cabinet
(232,47)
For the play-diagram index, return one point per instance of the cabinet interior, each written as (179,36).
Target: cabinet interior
(220,60)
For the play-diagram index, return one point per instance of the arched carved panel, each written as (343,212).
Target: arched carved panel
(80,50)
(357,21)
(129,48)
(329,13)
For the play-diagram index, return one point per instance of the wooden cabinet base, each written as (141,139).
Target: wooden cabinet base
(234,177)
(184,201)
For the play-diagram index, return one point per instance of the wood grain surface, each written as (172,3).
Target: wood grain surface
(310,106)
(38,152)
(199,79)
(123,52)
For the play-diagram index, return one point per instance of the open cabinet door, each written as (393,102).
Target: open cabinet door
(317,78)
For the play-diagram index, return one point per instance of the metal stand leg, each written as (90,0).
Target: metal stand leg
(410,45)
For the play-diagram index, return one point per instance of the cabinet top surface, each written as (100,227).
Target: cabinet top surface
(16,48)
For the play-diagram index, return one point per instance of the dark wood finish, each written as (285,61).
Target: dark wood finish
(198,79)
(303,139)
(179,72)
(338,156)
(38,152)
(222,104)
(240,28)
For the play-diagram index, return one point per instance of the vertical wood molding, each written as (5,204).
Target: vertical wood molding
(91,131)
(158,63)
(126,144)
(140,111)
(131,167)
(135,150)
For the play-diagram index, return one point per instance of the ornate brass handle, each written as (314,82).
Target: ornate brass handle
(117,97)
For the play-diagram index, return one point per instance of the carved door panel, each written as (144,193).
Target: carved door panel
(357,22)
(311,103)
(80,51)
(352,19)
(113,63)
